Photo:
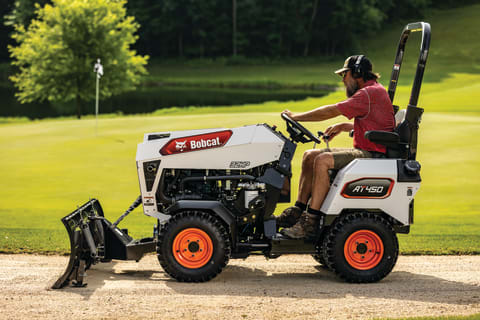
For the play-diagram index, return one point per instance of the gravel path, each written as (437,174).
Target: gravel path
(288,287)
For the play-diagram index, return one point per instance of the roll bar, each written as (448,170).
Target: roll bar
(422,60)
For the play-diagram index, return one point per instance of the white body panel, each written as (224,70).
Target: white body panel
(396,204)
(254,144)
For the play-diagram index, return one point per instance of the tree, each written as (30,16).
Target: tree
(56,53)
(23,12)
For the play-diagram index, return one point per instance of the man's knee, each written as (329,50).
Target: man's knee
(324,161)
(308,159)
(310,155)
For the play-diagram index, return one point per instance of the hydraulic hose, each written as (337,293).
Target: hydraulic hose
(135,204)
(161,194)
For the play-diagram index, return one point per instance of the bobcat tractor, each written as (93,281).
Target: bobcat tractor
(213,193)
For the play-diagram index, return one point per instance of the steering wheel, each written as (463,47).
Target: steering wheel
(298,132)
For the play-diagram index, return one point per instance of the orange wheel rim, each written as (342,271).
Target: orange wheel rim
(192,248)
(363,250)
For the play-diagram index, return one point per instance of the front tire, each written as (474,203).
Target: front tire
(193,246)
(361,247)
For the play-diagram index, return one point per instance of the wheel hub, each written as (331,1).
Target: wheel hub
(363,250)
(192,248)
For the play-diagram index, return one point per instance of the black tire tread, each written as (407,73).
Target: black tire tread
(328,246)
(209,218)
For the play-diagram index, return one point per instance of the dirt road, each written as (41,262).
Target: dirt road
(289,287)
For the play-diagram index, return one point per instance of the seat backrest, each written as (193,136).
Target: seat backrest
(407,123)
(399,117)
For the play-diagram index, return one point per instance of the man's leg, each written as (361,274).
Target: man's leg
(309,224)
(321,180)
(306,181)
(291,215)
(319,187)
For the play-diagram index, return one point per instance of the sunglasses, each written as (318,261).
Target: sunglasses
(343,74)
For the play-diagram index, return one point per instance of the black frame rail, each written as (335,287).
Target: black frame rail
(424,27)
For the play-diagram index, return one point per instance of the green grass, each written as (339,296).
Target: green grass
(49,167)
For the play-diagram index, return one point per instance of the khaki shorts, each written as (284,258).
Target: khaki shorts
(343,156)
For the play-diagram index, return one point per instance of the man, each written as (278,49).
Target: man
(369,105)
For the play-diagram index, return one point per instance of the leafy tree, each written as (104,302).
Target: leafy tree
(5,8)
(410,9)
(148,13)
(56,53)
(23,12)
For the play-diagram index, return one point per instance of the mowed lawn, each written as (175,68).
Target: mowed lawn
(49,167)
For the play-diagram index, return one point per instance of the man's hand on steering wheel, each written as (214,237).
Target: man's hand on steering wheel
(297,132)
(289,114)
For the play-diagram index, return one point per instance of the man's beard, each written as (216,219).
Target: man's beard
(351,88)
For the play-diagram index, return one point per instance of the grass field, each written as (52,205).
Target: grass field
(51,166)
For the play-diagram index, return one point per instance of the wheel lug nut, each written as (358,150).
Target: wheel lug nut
(193,255)
(198,240)
(363,257)
(366,241)
(354,252)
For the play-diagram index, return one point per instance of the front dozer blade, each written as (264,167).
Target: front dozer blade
(95,239)
(87,234)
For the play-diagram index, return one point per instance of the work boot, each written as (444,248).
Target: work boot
(289,217)
(307,226)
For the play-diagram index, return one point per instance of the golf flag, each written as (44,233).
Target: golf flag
(98,68)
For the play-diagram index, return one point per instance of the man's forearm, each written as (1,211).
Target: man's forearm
(347,126)
(319,114)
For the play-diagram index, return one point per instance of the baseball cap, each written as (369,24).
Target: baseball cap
(350,64)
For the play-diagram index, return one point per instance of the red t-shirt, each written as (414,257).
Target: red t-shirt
(372,109)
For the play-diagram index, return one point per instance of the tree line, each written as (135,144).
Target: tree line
(250,28)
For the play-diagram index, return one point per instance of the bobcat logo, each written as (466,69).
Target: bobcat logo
(180,145)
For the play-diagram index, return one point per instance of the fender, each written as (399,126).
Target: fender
(216,206)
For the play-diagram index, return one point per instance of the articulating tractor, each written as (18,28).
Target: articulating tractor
(213,193)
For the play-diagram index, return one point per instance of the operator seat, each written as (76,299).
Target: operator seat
(402,142)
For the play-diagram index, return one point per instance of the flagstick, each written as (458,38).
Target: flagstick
(96,104)
(98,69)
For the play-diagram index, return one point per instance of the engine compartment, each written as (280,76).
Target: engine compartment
(243,192)
(236,189)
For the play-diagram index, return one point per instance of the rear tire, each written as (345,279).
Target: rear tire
(320,256)
(361,247)
(193,246)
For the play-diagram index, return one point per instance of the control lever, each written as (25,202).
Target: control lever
(326,138)
(320,134)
